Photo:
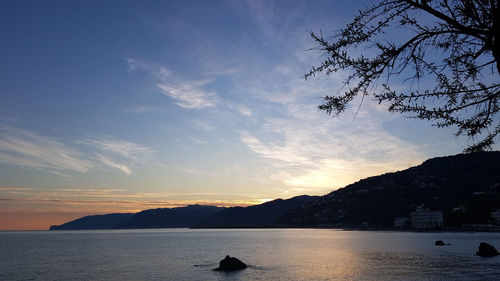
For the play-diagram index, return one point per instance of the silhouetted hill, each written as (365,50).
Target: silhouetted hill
(153,218)
(108,221)
(263,215)
(466,187)
(165,217)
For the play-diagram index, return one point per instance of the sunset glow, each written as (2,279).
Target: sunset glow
(111,106)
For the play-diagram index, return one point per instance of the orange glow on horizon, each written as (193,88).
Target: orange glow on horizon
(62,212)
(35,221)
(24,208)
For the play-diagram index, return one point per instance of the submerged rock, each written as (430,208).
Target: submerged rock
(231,263)
(486,250)
(439,243)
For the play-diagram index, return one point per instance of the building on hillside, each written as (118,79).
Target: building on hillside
(424,219)
(402,222)
(495,217)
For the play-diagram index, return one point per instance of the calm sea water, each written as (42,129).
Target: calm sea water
(273,254)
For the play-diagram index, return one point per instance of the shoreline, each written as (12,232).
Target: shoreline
(358,228)
(491,229)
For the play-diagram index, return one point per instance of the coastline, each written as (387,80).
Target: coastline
(495,229)
(367,228)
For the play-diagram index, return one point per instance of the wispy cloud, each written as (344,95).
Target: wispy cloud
(244,110)
(187,93)
(274,151)
(28,149)
(119,154)
(161,72)
(240,108)
(121,167)
(15,189)
(24,148)
(120,147)
(202,125)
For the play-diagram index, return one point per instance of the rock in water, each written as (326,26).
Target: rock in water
(439,243)
(486,250)
(231,263)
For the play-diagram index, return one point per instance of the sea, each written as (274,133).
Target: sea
(272,254)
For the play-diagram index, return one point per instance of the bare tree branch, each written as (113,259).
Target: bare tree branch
(466,87)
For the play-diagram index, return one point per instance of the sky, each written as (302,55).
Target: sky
(120,106)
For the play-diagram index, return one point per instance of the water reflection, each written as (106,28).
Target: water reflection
(273,254)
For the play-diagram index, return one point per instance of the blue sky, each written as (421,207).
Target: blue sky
(113,106)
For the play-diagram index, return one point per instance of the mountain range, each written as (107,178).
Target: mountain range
(465,187)
(263,215)
(152,218)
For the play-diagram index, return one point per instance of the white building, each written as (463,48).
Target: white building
(425,219)
(401,222)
